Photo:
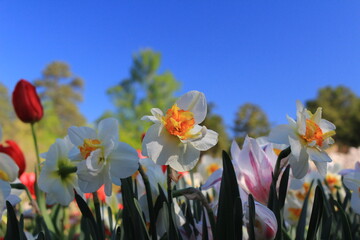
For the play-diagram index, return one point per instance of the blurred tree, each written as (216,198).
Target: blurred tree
(341,107)
(6,113)
(134,97)
(250,120)
(60,92)
(216,123)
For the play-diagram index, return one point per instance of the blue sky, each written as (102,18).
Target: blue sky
(270,53)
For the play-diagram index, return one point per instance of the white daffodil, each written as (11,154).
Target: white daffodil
(308,138)
(176,139)
(58,174)
(8,173)
(103,159)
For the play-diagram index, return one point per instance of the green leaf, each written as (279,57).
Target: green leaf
(205,234)
(88,216)
(238,218)
(300,229)
(283,187)
(12,228)
(316,214)
(229,192)
(251,227)
(344,221)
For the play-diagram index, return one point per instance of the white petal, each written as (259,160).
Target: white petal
(295,147)
(88,182)
(352,181)
(187,158)
(9,167)
(280,134)
(206,142)
(78,134)
(299,106)
(94,162)
(301,123)
(317,115)
(157,113)
(326,126)
(318,156)
(355,201)
(75,155)
(108,129)
(194,102)
(150,119)
(291,122)
(62,194)
(124,162)
(299,166)
(160,146)
(5,190)
(321,167)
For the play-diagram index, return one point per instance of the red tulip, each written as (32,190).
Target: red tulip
(14,151)
(26,102)
(28,179)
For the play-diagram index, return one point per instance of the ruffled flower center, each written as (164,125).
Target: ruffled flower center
(294,213)
(89,146)
(179,122)
(333,181)
(313,133)
(4,176)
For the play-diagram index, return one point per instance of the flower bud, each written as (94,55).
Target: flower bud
(14,151)
(26,102)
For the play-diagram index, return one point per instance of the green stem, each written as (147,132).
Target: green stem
(171,233)
(21,186)
(192,193)
(150,202)
(36,148)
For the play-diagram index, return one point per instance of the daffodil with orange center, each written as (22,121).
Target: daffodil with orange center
(176,139)
(102,158)
(309,136)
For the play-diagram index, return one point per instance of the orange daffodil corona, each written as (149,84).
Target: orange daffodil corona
(176,139)
(308,138)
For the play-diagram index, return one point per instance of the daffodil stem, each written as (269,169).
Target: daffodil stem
(150,202)
(98,214)
(36,147)
(194,193)
(23,187)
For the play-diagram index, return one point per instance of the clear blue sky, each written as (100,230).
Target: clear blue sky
(270,53)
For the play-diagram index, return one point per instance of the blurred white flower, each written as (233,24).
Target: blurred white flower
(58,175)
(103,159)
(176,139)
(8,173)
(352,182)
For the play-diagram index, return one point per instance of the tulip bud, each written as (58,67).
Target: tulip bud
(26,102)
(14,151)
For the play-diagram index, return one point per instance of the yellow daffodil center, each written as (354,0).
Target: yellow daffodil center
(89,146)
(333,181)
(212,168)
(277,151)
(294,213)
(179,122)
(4,176)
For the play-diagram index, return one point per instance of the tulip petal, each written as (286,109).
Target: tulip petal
(78,134)
(124,161)
(194,102)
